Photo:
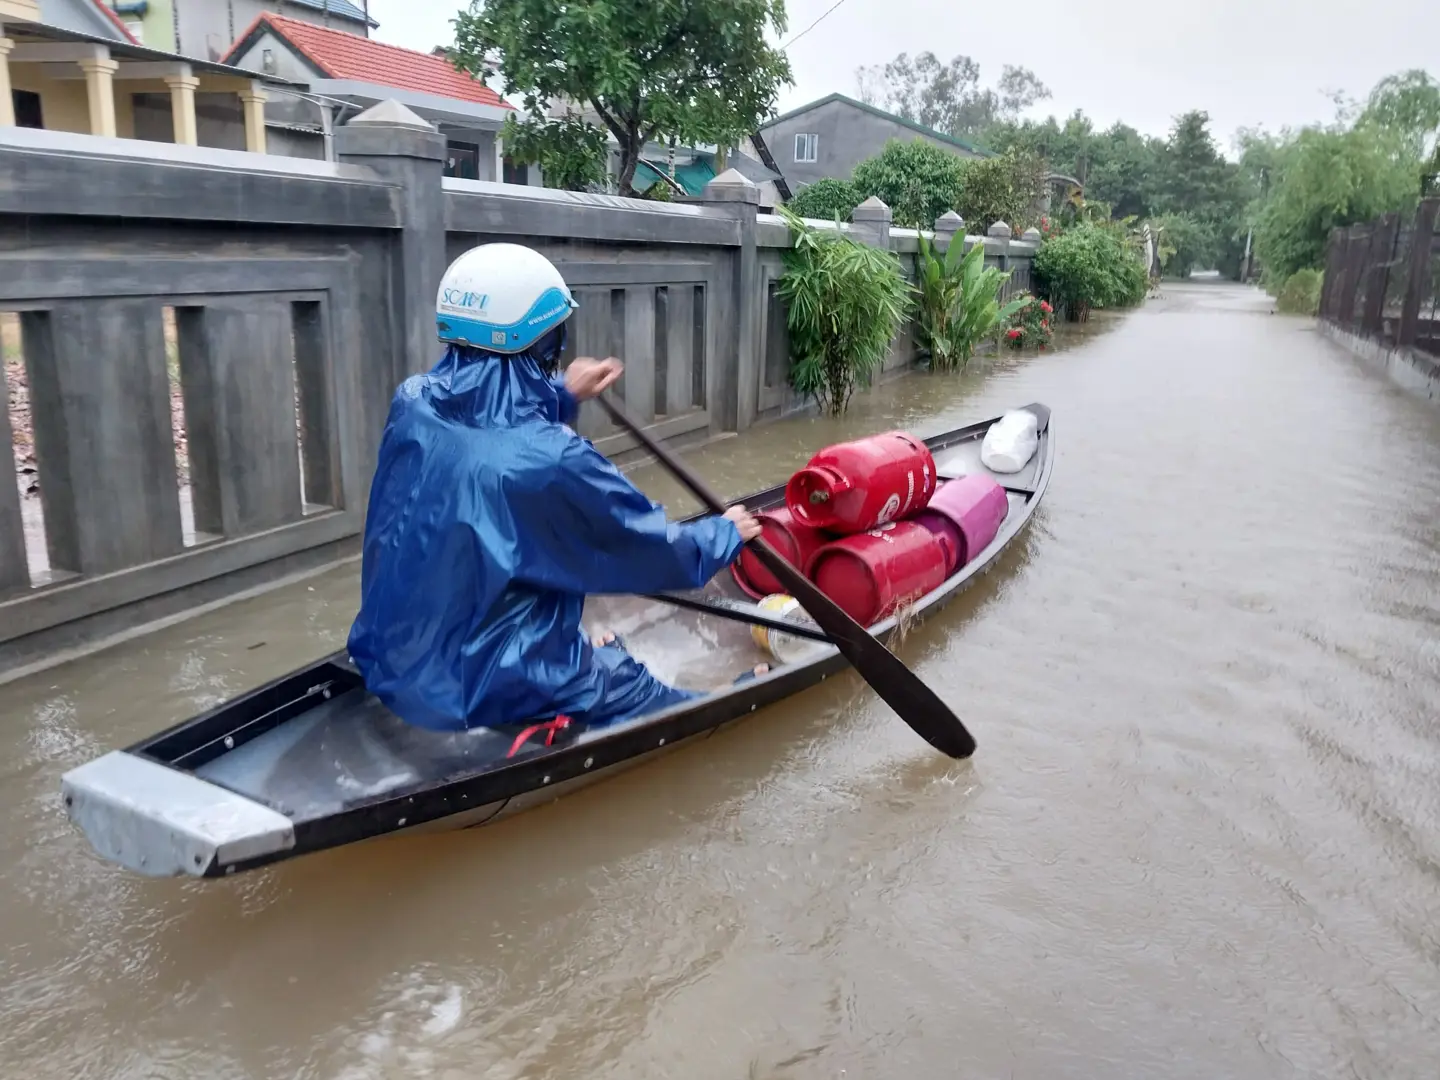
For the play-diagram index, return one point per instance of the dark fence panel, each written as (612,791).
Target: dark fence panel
(1382,280)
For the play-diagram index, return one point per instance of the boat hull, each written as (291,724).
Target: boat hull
(238,787)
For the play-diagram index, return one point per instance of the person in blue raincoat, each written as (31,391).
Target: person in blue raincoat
(490,519)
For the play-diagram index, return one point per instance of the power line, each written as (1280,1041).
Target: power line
(812,26)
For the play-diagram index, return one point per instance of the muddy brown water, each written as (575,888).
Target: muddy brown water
(1201,837)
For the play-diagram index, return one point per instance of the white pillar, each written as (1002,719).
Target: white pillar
(100,90)
(182,107)
(253,101)
(7,101)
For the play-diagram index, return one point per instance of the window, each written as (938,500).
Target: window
(806,147)
(28,112)
(462,160)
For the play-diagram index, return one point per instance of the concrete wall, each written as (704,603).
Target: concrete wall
(1405,366)
(270,306)
(847,135)
(63,101)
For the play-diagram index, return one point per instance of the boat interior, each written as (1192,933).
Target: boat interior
(317,744)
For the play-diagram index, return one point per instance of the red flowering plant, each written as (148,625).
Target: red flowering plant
(1029,327)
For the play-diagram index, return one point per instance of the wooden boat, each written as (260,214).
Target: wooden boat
(312,761)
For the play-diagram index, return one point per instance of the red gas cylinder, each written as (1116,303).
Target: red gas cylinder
(794,541)
(854,486)
(871,574)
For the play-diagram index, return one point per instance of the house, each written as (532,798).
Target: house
(73,65)
(755,151)
(342,74)
(693,166)
(207,28)
(829,137)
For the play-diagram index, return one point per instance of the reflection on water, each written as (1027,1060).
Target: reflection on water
(1200,839)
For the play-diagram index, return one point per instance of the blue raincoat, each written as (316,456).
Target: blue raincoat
(489,521)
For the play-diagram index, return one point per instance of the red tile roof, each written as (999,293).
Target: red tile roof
(348,56)
(119,23)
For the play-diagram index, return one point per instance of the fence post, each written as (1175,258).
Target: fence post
(14,569)
(948,226)
(870,223)
(1353,252)
(409,152)
(999,234)
(732,390)
(1418,283)
(1381,251)
(1334,270)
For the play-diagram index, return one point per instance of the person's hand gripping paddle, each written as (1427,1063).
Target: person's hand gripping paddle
(900,688)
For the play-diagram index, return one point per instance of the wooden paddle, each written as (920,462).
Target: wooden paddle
(900,688)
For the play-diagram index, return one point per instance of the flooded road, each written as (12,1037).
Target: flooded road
(1201,837)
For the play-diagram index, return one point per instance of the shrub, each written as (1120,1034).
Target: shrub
(957,307)
(917,180)
(1090,266)
(1029,327)
(825,200)
(1300,295)
(1004,188)
(845,301)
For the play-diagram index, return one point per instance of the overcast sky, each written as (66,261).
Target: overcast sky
(1246,62)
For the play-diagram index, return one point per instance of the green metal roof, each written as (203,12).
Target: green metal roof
(692,177)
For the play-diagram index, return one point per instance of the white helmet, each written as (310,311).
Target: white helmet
(501,298)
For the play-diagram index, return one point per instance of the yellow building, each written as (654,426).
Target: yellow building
(73,66)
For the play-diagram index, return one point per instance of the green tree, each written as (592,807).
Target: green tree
(825,200)
(1327,178)
(916,179)
(1118,166)
(1002,188)
(570,152)
(1196,181)
(1408,106)
(692,70)
(1188,244)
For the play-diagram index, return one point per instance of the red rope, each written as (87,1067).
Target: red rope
(551,727)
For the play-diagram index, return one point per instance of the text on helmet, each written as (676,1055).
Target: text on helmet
(463,298)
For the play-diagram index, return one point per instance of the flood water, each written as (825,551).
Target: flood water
(1200,839)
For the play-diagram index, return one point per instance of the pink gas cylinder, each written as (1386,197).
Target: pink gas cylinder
(853,486)
(871,573)
(968,510)
(796,542)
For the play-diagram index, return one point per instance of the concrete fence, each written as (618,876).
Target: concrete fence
(204,344)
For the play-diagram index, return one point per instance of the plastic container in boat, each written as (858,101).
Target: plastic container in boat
(969,509)
(1011,441)
(870,574)
(795,541)
(853,486)
(786,648)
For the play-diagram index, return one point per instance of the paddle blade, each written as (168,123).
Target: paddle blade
(899,687)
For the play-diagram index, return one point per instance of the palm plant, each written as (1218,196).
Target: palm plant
(958,306)
(845,301)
